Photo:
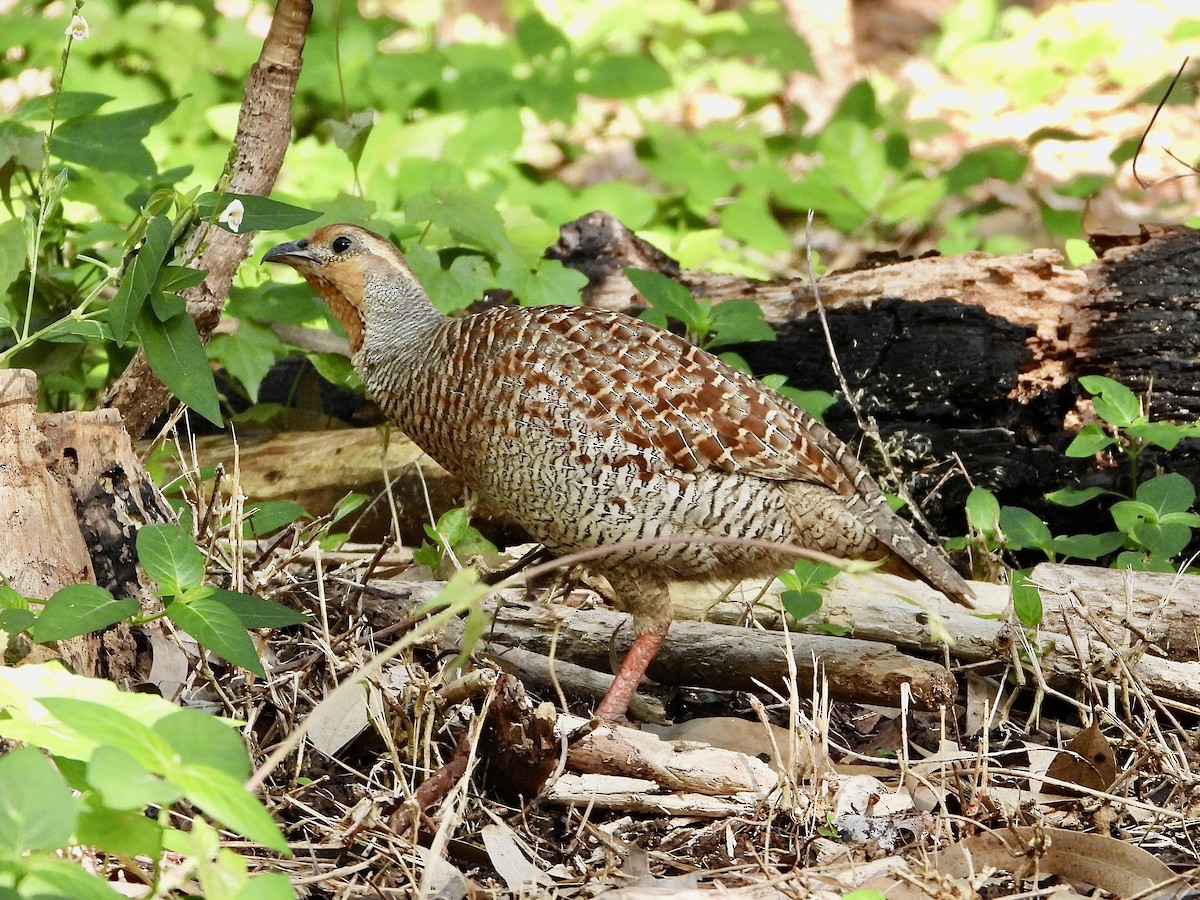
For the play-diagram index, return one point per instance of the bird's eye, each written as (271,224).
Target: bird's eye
(341,244)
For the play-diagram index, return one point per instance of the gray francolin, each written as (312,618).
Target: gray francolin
(592,428)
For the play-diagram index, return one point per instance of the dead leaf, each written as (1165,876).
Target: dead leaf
(1087,760)
(1107,863)
(509,861)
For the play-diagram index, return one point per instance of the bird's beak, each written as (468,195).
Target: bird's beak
(290,254)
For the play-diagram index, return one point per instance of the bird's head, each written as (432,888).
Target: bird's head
(342,263)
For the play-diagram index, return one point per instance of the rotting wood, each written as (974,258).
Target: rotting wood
(72,496)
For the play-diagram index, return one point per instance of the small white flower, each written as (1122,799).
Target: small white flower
(232,216)
(78,29)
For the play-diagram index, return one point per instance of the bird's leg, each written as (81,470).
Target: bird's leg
(650,605)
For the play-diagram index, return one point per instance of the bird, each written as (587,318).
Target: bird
(591,428)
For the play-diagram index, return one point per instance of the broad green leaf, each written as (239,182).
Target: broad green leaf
(226,800)
(1070,496)
(247,354)
(1022,529)
(1164,541)
(166,306)
(914,200)
(12,262)
(625,75)
(71,330)
(749,219)
(739,322)
(1167,494)
(71,105)
(253,611)
(113,142)
(11,599)
(259,213)
(462,212)
(1090,440)
(216,627)
(15,621)
(1079,252)
(1088,546)
(125,784)
(351,137)
(1003,161)
(37,809)
(176,355)
(983,511)
(173,279)
(271,515)
(104,725)
(139,278)
(52,878)
(124,832)
(1114,403)
(1127,514)
(1027,602)
(170,557)
(78,609)
(267,886)
(855,160)
(538,38)
(800,604)
(666,295)
(199,737)
(1162,434)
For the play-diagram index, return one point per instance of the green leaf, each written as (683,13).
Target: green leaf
(139,278)
(1127,514)
(225,799)
(462,212)
(1003,161)
(983,511)
(1114,403)
(1161,434)
(125,832)
(173,279)
(1090,440)
(271,515)
(111,143)
(254,612)
(855,160)
(538,38)
(749,219)
(50,878)
(1088,546)
(622,76)
(351,137)
(125,784)
(739,322)
(176,355)
(1167,494)
(1070,496)
(1023,530)
(170,557)
(202,738)
(37,809)
(12,262)
(166,306)
(15,621)
(104,725)
(78,609)
(247,354)
(216,627)
(914,200)
(1079,252)
(259,213)
(1162,540)
(666,295)
(800,604)
(1027,602)
(267,886)
(71,105)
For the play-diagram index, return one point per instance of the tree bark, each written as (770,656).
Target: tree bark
(264,132)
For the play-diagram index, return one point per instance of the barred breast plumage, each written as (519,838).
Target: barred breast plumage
(590,428)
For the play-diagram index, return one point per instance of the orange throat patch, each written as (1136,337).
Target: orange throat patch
(347,313)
